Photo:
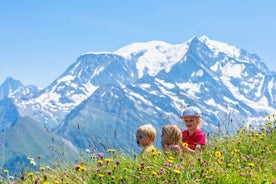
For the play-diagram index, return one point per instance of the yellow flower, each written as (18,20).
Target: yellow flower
(171,158)
(185,144)
(219,162)
(30,174)
(83,168)
(262,136)
(269,124)
(218,154)
(158,153)
(229,165)
(251,164)
(42,168)
(170,161)
(108,160)
(56,182)
(154,173)
(153,149)
(177,171)
(100,175)
(111,150)
(6,171)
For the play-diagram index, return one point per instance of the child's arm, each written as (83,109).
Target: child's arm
(186,149)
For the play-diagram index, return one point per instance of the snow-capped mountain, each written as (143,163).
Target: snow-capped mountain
(106,96)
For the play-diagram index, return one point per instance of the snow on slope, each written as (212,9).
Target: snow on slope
(217,47)
(156,55)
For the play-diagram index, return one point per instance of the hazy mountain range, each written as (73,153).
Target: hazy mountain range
(102,98)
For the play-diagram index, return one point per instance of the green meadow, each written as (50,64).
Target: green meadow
(246,156)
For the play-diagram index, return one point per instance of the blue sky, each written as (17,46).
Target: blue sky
(39,40)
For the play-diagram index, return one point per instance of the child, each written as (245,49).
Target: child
(145,136)
(171,139)
(192,136)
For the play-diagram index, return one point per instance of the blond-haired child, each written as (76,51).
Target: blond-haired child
(171,139)
(192,137)
(145,136)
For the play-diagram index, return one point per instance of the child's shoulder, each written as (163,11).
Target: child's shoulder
(149,149)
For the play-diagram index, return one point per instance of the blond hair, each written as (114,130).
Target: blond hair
(174,133)
(148,130)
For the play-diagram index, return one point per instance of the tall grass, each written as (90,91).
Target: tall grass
(249,156)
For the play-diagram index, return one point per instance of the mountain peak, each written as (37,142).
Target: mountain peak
(153,56)
(217,46)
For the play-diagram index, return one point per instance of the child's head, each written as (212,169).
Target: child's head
(171,134)
(191,117)
(145,135)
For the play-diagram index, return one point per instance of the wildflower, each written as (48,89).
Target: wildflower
(171,158)
(220,162)
(218,154)
(100,162)
(158,153)
(42,168)
(154,173)
(262,128)
(93,157)
(56,182)
(251,164)
(45,176)
(269,124)
(30,174)
(77,167)
(185,144)
(111,150)
(170,161)
(153,149)
(162,171)
(108,160)
(109,172)
(83,168)
(6,171)
(229,165)
(100,175)
(125,169)
(87,150)
(177,171)
(167,164)
(101,155)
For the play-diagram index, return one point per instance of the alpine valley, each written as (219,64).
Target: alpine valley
(102,98)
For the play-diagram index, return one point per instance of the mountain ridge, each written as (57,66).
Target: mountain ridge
(106,96)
